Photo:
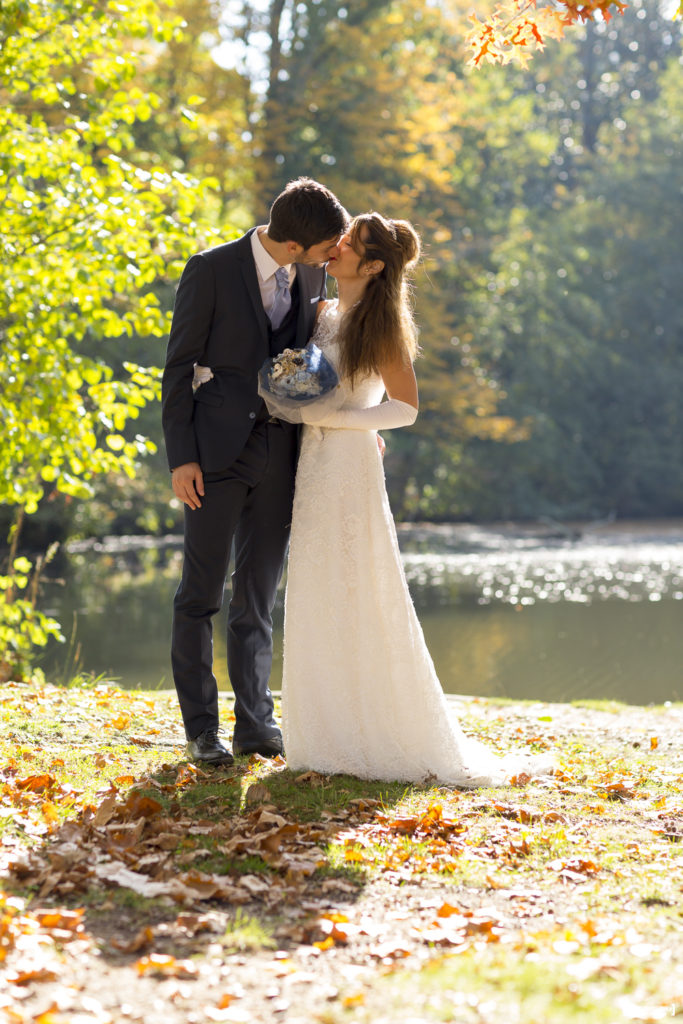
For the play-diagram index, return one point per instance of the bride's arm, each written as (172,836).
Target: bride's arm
(401,383)
(400,409)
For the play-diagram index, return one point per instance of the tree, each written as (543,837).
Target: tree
(374,99)
(88,231)
(200,121)
(587,334)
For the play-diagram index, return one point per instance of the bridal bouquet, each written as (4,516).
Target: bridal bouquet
(298,377)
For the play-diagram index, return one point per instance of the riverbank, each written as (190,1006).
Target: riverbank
(141,888)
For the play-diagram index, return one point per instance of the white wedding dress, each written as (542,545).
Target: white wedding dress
(360,694)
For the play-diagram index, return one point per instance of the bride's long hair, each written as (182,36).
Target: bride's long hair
(380,328)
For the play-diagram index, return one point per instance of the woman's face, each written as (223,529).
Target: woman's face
(347,264)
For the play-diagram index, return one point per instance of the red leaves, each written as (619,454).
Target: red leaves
(517,28)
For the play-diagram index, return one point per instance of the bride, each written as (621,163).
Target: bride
(359,693)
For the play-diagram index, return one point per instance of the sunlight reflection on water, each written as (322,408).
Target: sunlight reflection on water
(591,573)
(510,611)
(618,564)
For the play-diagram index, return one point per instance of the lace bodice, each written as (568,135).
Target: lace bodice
(366,391)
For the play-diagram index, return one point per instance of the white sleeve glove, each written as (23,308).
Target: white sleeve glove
(384,416)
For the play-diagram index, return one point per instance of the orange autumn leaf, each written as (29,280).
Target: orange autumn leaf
(575,864)
(36,783)
(516,29)
(225,1000)
(355,1000)
(66,920)
(144,938)
(619,791)
(49,811)
(41,973)
(47,1017)
(354,856)
(168,966)
(446,910)
(654,742)
(186,775)
(137,806)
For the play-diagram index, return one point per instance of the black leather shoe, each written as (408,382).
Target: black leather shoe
(208,748)
(266,748)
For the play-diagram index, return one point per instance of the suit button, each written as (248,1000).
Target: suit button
(252,415)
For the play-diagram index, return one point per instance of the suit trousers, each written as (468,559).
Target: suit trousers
(250,502)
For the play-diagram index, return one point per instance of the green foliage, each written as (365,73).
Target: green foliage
(90,228)
(201,119)
(585,326)
(22,626)
(87,233)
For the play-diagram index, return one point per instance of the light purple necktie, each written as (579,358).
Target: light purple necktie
(283,298)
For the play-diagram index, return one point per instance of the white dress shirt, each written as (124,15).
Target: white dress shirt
(265,270)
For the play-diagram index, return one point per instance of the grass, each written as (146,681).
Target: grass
(550,903)
(518,986)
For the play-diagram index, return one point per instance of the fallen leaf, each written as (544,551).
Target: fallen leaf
(257,793)
(312,778)
(167,966)
(355,1000)
(36,783)
(119,874)
(138,806)
(143,939)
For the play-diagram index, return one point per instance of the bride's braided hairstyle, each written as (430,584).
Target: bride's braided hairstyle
(380,329)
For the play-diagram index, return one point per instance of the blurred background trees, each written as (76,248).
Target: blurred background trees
(549,199)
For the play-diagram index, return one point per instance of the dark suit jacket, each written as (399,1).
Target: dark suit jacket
(219,321)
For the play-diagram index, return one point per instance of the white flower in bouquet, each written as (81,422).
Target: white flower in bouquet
(299,377)
(291,376)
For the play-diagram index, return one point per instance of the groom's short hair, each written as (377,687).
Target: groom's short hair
(306,213)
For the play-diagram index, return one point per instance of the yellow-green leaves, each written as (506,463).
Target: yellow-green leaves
(89,227)
(89,231)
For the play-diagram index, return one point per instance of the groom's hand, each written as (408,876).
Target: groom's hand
(381,444)
(188,484)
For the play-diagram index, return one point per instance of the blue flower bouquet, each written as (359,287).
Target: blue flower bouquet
(299,377)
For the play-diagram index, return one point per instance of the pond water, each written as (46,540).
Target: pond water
(554,614)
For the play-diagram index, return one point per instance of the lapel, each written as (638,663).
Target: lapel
(249,276)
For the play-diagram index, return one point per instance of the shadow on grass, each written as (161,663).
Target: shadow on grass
(240,852)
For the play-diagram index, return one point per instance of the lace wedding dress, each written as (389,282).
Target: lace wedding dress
(360,694)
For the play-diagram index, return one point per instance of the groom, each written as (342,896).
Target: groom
(232,465)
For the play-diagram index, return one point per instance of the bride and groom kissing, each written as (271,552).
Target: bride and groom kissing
(359,691)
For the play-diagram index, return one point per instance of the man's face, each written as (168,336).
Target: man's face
(318,254)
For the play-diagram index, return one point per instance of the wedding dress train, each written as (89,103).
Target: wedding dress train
(360,694)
